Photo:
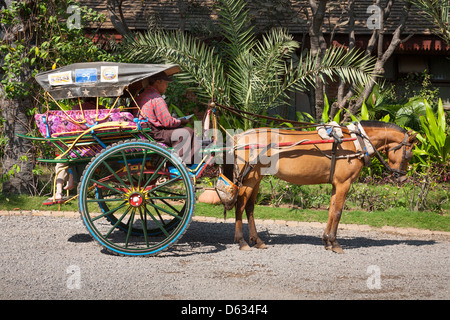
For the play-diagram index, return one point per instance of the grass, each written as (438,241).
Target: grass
(396,217)
(28,203)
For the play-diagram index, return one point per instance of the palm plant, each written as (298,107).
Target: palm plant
(249,74)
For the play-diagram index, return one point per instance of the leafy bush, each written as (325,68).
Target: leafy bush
(434,144)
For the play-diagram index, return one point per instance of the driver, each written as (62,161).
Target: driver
(165,128)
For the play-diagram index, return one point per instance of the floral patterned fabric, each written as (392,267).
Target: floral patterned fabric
(59,123)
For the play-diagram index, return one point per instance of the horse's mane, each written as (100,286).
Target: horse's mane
(382,124)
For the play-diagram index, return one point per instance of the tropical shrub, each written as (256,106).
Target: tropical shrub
(434,144)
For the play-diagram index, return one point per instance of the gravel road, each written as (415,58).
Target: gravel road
(46,258)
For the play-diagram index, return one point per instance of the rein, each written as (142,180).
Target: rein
(396,172)
(241,112)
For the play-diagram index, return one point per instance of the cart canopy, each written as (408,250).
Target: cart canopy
(100,79)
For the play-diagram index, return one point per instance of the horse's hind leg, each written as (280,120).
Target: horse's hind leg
(334,215)
(326,237)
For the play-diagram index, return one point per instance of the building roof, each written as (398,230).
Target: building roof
(201,14)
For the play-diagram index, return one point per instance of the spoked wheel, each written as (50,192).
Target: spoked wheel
(136,198)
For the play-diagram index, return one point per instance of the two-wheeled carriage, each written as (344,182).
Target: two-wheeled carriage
(135,196)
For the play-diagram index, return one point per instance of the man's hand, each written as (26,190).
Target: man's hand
(184,121)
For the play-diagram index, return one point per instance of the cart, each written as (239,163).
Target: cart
(136,197)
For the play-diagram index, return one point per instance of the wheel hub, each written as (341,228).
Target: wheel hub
(136,199)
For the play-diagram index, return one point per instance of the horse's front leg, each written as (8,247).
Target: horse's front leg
(244,195)
(246,201)
(334,215)
(249,210)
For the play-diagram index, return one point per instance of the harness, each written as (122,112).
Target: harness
(364,151)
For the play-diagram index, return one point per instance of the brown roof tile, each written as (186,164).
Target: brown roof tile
(170,15)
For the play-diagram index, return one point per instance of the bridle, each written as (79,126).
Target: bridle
(406,155)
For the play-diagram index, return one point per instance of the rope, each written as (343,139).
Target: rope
(240,112)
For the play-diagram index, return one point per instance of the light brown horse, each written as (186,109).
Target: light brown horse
(311,164)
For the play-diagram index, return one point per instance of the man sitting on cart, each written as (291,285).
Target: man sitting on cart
(165,128)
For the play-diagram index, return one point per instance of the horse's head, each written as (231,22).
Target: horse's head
(395,142)
(399,154)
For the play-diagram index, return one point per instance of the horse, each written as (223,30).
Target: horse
(285,154)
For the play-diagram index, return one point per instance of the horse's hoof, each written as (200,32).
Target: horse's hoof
(260,246)
(243,245)
(337,249)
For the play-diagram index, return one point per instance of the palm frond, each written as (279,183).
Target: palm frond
(200,64)
(273,50)
(351,66)
(256,76)
(438,13)
(235,26)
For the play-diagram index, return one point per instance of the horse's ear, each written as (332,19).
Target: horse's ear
(412,138)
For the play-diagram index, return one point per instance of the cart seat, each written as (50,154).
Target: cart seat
(62,123)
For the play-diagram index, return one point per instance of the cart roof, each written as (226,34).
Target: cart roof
(99,79)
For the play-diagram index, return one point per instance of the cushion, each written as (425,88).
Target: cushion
(60,123)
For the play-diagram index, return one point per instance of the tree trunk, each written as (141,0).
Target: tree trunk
(318,47)
(116,16)
(377,39)
(18,154)
(18,157)
(341,99)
